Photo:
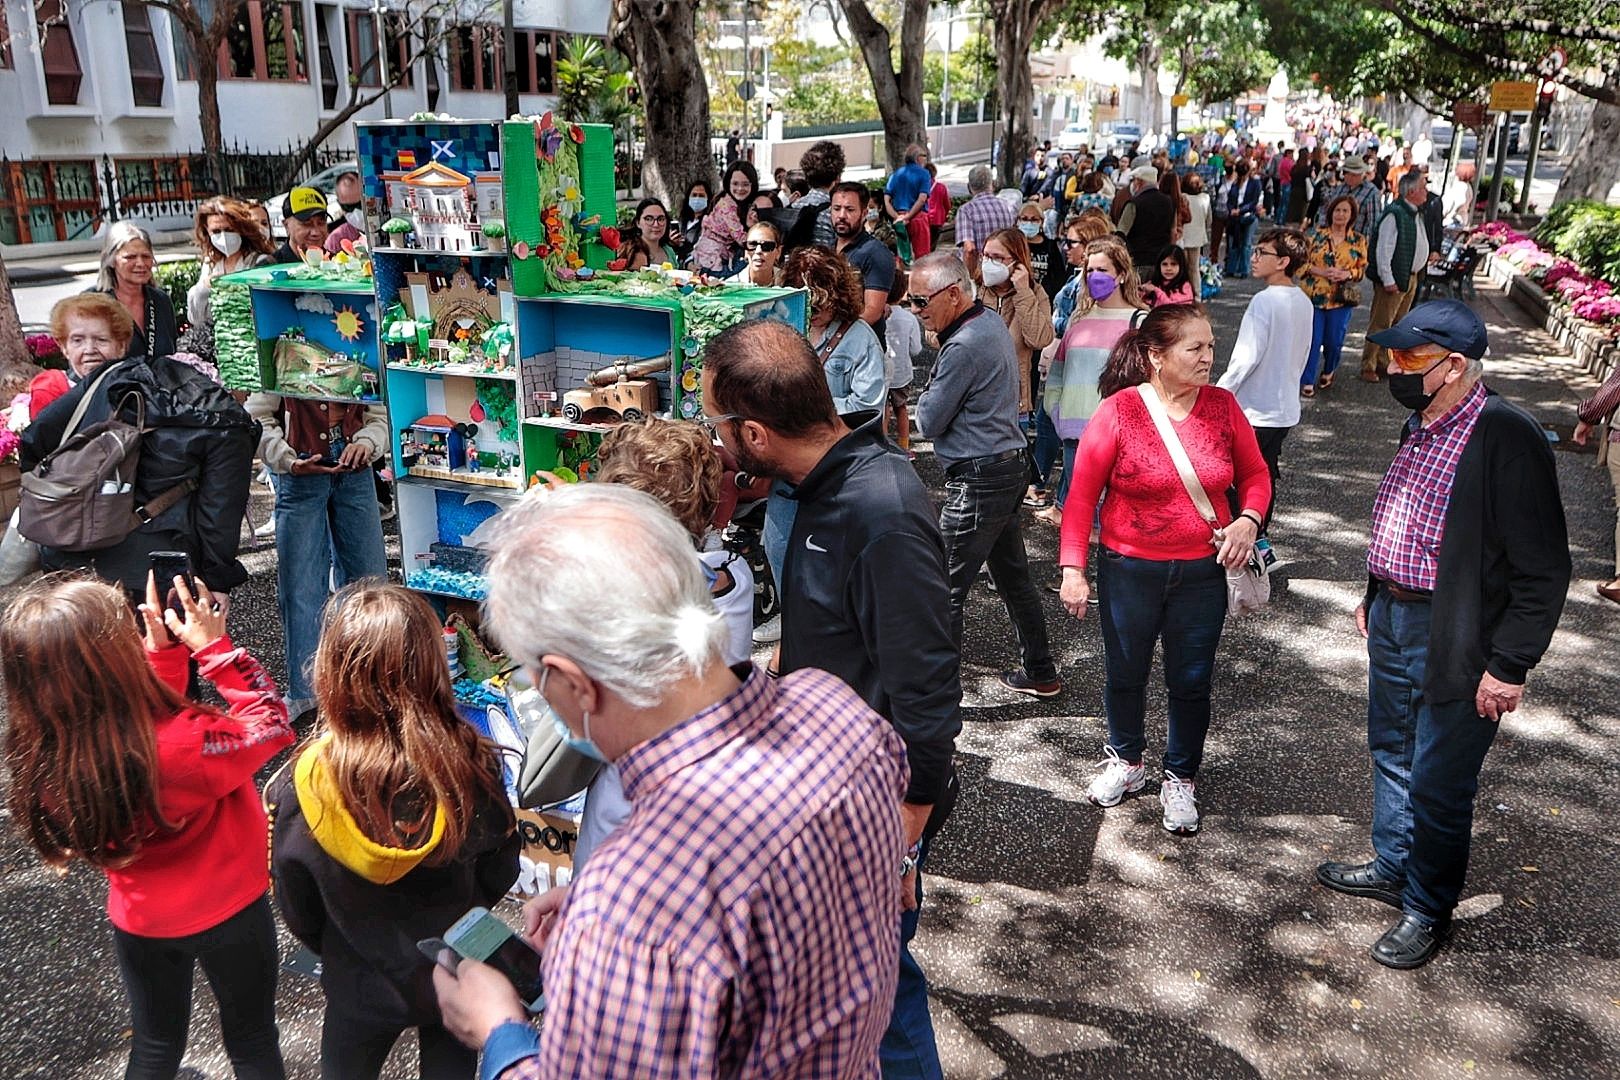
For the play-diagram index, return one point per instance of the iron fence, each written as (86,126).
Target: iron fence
(70,199)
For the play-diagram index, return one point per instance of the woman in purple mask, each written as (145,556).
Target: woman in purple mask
(1110,303)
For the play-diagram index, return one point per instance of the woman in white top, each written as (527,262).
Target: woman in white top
(762,257)
(228,239)
(1195,233)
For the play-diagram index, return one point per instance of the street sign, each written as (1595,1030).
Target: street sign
(745,90)
(1468,114)
(1179,100)
(1511,96)
(1554,62)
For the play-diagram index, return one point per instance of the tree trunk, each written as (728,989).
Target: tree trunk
(1149,59)
(1015,23)
(207,67)
(13,352)
(899,93)
(659,37)
(1593,167)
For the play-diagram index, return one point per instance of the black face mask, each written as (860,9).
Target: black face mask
(1407,388)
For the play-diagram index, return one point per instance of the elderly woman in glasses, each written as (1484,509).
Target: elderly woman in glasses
(762,257)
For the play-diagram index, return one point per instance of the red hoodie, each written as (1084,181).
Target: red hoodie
(217,862)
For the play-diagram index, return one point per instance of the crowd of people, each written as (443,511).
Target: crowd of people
(751,868)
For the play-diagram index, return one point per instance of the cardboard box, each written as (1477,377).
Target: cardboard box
(547,859)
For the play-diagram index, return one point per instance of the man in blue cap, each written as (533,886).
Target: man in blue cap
(1467,570)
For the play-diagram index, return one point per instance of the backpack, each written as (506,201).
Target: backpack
(81,497)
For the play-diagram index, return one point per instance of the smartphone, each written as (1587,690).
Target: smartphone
(168,565)
(478,935)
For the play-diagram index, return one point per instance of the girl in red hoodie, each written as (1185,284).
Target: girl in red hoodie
(111,764)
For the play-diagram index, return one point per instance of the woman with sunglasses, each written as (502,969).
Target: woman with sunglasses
(762,257)
(648,243)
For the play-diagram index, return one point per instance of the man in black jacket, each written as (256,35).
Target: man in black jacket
(1468,567)
(864,591)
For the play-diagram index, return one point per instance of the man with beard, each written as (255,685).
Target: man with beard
(873,261)
(864,593)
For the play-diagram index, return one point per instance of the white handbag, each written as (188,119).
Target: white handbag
(1248,587)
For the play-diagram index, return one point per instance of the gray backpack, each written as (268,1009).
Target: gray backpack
(81,497)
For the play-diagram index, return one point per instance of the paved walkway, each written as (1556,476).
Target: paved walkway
(1064,941)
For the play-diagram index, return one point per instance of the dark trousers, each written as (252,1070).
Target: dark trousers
(980,525)
(1271,441)
(239,958)
(1141,601)
(1426,759)
(1046,450)
(354,1047)
(908,1050)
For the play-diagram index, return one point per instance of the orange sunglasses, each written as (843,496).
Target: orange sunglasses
(1419,359)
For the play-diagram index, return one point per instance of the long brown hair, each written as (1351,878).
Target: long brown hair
(398,749)
(1130,285)
(1128,362)
(1170,184)
(254,239)
(82,707)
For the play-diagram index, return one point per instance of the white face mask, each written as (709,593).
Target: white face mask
(357,218)
(698,204)
(1030,229)
(225,242)
(994,273)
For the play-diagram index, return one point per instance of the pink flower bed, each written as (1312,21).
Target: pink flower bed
(1589,298)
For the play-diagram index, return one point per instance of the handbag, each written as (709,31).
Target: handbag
(1347,293)
(1248,587)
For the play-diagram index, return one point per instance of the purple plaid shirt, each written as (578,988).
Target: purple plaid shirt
(982,215)
(744,921)
(1409,514)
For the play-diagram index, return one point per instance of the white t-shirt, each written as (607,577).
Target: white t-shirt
(1273,344)
(606,808)
(903,339)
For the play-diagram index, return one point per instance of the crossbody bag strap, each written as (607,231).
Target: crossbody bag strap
(1178,455)
(84,402)
(824,353)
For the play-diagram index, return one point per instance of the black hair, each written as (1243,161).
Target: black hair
(1183,275)
(850,187)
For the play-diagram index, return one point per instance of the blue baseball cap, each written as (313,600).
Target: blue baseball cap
(1451,324)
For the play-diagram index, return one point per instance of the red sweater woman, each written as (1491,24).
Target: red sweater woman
(110,763)
(1160,574)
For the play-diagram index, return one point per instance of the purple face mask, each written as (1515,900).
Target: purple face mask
(1101,284)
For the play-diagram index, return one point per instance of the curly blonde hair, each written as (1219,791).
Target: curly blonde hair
(673,461)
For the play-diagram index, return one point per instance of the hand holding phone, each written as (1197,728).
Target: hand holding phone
(480,936)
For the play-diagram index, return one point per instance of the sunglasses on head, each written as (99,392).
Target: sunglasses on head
(760,245)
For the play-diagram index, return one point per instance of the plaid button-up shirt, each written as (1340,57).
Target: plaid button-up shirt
(1409,514)
(980,216)
(745,921)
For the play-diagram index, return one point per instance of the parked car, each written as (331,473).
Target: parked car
(1074,137)
(324,181)
(1122,136)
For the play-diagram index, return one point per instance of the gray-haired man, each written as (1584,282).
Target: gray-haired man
(980,216)
(1400,251)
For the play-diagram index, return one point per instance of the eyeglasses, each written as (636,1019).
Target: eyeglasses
(1421,358)
(919,302)
(760,245)
(1267,251)
(712,423)
(648,219)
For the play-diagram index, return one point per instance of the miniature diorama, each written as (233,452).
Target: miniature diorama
(471,436)
(442,533)
(452,317)
(446,209)
(618,391)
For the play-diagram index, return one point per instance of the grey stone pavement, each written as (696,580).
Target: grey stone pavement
(1066,941)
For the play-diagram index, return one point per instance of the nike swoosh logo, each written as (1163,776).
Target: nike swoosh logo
(810,543)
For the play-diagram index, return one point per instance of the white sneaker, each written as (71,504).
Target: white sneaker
(1180,802)
(1118,777)
(268,529)
(768,632)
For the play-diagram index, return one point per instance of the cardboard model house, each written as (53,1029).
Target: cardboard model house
(447,208)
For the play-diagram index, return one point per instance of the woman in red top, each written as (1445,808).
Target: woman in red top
(1160,574)
(110,763)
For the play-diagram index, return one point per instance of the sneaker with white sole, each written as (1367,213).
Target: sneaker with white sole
(1118,777)
(768,632)
(1180,801)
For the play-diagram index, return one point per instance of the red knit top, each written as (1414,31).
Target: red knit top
(1147,512)
(217,862)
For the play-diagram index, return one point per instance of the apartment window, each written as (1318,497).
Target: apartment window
(430,32)
(475,58)
(59,56)
(265,43)
(44,200)
(150,181)
(325,22)
(397,38)
(536,50)
(363,66)
(145,68)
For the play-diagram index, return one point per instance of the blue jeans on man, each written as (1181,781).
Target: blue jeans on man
(324,523)
(1239,241)
(1327,342)
(908,1050)
(1426,760)
(1182,602)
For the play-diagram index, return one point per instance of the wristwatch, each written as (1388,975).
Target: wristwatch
(909,863)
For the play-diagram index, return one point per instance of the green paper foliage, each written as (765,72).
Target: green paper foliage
(499,399)
(235,341)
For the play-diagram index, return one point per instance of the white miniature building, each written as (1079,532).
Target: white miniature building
(447,208)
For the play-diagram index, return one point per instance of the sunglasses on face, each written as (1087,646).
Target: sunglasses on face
(1421,358)
(917,303)
(760,245)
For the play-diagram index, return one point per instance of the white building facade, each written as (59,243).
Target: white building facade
(93,83)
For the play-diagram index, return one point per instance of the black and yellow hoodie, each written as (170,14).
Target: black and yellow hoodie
(363,906)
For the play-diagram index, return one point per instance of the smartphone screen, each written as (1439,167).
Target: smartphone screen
(168,565)
(478,935)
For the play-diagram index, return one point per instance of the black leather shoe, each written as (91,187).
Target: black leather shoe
(1360,879)
(1410,943)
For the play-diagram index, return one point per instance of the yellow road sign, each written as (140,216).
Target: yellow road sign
(1179,100)
(1513,96)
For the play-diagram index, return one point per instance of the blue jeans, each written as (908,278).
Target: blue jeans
(908,1050)
(1070,448)
(1141,601)
(322,522)
(1239,234)
(1047,447)
(780,514)
(1327,342)
(1426,760)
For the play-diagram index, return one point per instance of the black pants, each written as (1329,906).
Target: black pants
(1270,440)
(239,958)
(354,1047)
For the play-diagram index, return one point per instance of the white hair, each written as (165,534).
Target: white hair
(119,236)
(941,270)
(979,179)
(604,575)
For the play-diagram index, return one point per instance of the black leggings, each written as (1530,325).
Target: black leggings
(239,958)
(355,1048)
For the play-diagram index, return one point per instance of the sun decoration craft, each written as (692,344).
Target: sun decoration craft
(349,324)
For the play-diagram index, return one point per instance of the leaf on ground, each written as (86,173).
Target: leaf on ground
(1531,869)
(1526,902)
(975,900)
(1198,976)
(1468,1066)
(1356,1003)
(1554,811)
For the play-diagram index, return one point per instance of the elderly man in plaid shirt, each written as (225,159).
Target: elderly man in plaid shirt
(1467,569)
(744,921)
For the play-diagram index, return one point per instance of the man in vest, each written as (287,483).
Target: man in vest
(1400,253)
